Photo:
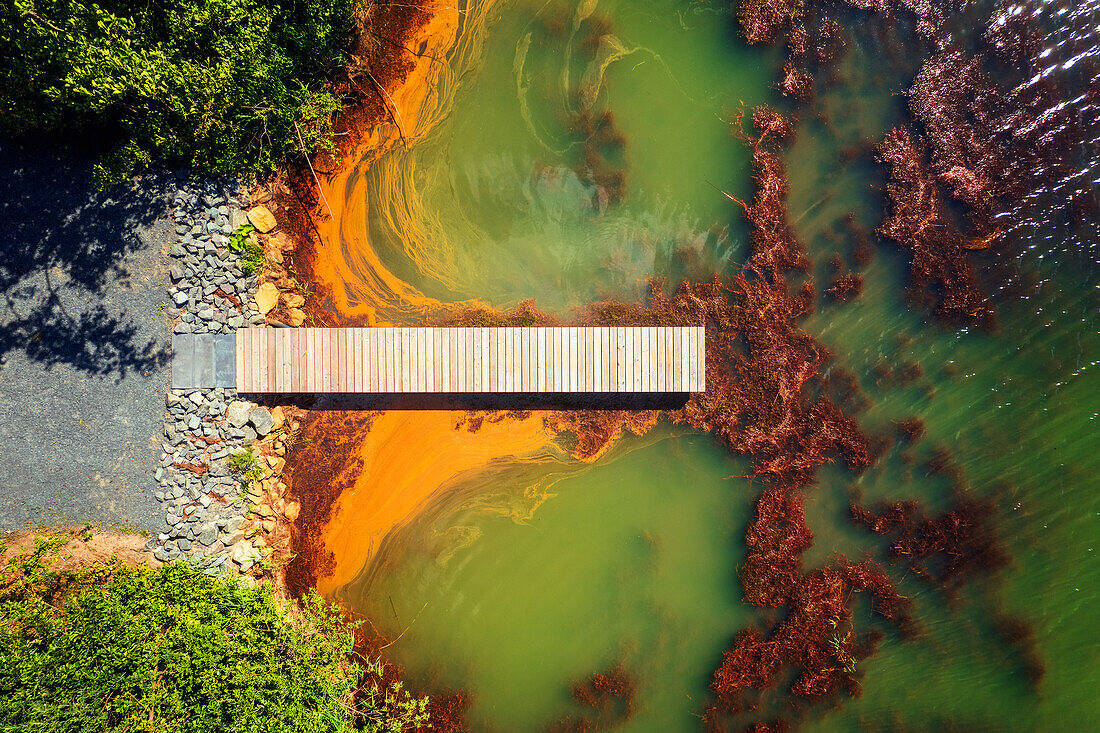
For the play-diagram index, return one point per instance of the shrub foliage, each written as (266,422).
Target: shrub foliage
(120,649)
(217,85)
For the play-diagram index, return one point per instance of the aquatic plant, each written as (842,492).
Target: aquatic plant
(946,550)
(918,220)
(608,695)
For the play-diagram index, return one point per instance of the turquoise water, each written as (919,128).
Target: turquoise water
(633,560)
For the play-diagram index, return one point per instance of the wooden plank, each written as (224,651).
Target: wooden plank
(670,348)
(241,348)
(351,335)
(400,361)
(584,365)
(549,359)
(515,358)
(424,355)
(272,365)
(661,358)
(605,352)
(628,359)
(497,360)
(473,339)
(701,374)
(458,368)
(375,352)
(590,376)
(244,360)
(538,358)
(303,358)
(523,360)
(691,360)
(607,357)
(510,359)
(325,361)
(576,366)
(301,355)
(357,345)
(316,352)
(334,360)
(458,353)
(474,360)
(320,380)
(342,360)
(567,359)
(385,360)
(442,360)
(290,359)
(505,352)
(368,360)
(652,363)
(261,361)
(280,381)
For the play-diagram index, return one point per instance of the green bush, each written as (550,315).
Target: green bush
(118,649)
(252,254)
(217,85)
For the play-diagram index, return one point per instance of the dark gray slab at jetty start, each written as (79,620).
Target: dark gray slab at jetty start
(204,360)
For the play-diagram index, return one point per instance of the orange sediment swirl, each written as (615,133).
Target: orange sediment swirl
(361,285)
(403,461)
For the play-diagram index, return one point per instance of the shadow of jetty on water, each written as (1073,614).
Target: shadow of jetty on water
(478,401)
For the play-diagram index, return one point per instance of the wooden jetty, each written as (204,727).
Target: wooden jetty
(465,360)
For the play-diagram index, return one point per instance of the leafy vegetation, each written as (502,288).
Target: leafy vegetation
(246,462)
(252,254)
(110,648)
(216,85)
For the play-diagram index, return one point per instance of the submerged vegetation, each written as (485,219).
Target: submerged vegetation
(107,647)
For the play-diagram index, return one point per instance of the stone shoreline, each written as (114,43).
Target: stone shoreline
(216,514)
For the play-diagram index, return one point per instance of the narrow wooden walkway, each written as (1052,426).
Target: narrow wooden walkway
(470,360)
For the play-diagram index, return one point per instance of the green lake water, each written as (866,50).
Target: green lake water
(633,559)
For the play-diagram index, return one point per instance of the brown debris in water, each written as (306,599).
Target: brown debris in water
(944,550)
(919,222)
(608,695)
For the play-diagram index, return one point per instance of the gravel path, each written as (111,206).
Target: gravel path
(84,344)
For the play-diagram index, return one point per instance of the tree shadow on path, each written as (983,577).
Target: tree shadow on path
(63,269)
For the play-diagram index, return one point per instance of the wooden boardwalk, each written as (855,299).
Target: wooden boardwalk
(470,360)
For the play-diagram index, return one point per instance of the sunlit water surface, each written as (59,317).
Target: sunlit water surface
(633,560)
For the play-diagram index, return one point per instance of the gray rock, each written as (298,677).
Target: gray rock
(208,535)
(161,554)
(261,419)
(180,297)
(176,273)
(244,554)
(249,436)
(206,314)
(193,422)
(238,413)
